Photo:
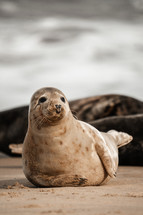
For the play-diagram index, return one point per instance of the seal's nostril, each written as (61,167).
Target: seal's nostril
(58,106)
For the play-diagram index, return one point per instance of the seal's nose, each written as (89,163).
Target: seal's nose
(58,108)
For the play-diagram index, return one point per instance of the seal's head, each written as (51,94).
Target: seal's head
(48,106)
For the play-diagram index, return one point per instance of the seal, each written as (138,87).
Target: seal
(60,150)
(98,107)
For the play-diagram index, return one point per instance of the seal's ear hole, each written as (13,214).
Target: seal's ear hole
(63,99)
(42,99)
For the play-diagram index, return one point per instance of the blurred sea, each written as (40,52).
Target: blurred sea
(82,53)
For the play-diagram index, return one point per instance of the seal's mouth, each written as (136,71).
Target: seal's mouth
(58,111)
(56,114)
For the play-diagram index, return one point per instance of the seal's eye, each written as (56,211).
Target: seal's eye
(63,99)
(42,99)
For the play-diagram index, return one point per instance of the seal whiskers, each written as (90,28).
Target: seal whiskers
(39,120)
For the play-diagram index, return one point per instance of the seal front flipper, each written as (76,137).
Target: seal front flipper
(105,156)
(63,180)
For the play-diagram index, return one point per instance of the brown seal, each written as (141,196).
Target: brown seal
(60,150)
(98,107)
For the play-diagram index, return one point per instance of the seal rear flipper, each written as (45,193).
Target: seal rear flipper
(16,148)
(122,138)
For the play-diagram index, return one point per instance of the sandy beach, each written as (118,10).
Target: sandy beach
(123,195)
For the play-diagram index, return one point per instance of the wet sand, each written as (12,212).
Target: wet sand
(123,195)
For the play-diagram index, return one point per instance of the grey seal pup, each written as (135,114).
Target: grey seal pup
(60,150)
